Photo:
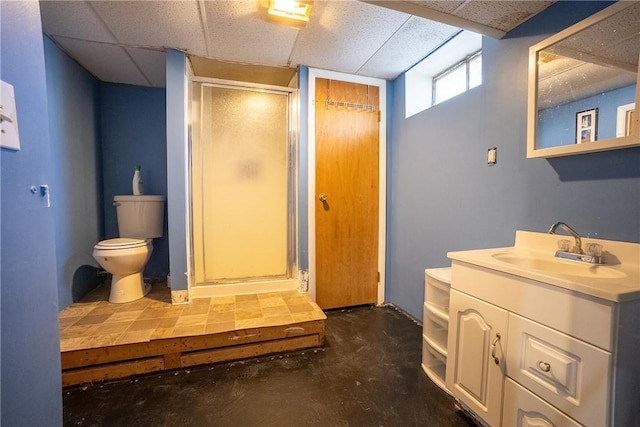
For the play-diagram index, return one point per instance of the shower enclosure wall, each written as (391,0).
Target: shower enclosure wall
(243,146)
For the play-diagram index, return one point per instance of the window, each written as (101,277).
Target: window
(463,76)
(452,68)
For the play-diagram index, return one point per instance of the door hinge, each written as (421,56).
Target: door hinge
(378,277)
(379,119)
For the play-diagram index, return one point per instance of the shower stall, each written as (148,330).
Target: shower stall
(243,150)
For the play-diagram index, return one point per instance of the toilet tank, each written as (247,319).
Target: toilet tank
(140,217)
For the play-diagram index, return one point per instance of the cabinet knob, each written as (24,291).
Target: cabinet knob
(544,366)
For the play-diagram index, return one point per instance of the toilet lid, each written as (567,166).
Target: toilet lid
(121,243)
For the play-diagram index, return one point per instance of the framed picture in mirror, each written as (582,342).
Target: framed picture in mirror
(587,126)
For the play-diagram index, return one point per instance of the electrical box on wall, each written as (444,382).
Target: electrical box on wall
(492,156)
(9,137)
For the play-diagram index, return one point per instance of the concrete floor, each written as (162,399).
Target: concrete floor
(368,374)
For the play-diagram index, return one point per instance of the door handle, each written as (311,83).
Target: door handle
(323,197)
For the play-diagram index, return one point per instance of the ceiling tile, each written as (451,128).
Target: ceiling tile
(503,15)
(240,31)
(153,64)
(107,62)
(408,46)
(343,35)
(448,6)
(173,24)
(74,19)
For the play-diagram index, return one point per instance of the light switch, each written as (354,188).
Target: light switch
(9,137)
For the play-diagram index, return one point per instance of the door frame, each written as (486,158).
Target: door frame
(315,73)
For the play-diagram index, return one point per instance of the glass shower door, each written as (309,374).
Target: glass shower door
(242,192)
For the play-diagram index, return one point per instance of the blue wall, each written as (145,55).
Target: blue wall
(30,391)
(557,125)
(133,132)
(76,172)
(176,166)
(443,196)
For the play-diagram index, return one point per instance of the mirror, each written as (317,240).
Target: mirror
(583,86)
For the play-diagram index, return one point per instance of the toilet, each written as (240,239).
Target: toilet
(140,219)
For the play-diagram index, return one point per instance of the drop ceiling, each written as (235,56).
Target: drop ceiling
(125,41)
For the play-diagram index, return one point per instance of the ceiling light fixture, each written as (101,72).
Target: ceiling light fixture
(291,9)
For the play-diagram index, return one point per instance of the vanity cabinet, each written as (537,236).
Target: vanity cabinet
(524,353)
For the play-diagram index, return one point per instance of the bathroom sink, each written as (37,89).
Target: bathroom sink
(557,266)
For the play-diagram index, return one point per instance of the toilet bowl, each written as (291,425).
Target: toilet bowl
(125,259)
(140,219)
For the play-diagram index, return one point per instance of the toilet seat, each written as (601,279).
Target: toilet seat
(121,243)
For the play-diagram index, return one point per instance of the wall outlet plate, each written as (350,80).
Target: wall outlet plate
(492,156)
(9,137)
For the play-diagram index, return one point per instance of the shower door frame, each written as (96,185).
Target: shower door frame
(258,284)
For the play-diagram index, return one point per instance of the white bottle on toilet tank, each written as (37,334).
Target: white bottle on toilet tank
(138,185)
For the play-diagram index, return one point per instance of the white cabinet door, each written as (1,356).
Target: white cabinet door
(524,409)
(476,349)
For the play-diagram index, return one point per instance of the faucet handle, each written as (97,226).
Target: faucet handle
(593,249)
(564,245)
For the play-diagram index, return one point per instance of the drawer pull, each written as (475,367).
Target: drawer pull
(544,366)
(496,359)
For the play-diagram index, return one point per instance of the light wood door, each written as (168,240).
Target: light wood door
(347,193)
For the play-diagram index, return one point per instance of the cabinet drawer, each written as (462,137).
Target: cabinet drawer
(570,374)
(524,409)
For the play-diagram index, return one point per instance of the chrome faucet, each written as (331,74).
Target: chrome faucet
(575,253)
(577,249)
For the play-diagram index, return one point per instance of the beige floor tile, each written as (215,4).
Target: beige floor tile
(251,323)
(144,324)
(279,320)
(222,316)
(100,310)
(231,299)
(124,316)
(192,309)
(267,295)
(96,341)
(155,313)
(300,308)
(65,322)
(140,304)
(272,302)
(134,337)
(112,328)
(162,333)
(99,323)
(93,320)
(78,331)
(246,298)
(71,344)
(76,311)
(280,310)
(305,316)
(244,314)
(183,331)
(192,320)
(223,307)
(214,328)
(167,322)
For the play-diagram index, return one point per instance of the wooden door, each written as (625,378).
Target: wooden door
(347,193)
